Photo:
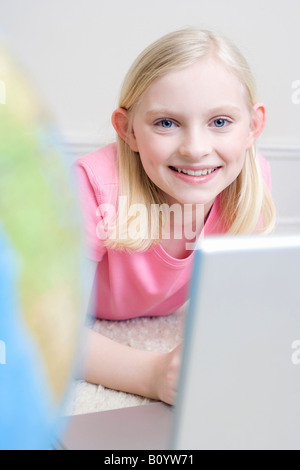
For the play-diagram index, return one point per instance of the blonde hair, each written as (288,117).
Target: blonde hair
(246,205)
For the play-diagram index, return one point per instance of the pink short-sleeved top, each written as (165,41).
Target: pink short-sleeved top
(132,284)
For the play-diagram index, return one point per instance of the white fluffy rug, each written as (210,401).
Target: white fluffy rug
(160,334)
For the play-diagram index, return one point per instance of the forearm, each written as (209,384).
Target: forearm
(121,367)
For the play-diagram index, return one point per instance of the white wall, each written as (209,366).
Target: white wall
(78,52)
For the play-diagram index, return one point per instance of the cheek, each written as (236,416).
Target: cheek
(150,155)
(234,159)
(236,145)
(153,150)
(246,137)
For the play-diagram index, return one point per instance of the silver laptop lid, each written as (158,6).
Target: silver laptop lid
(240,380)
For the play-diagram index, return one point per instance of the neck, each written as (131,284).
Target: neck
(183,227)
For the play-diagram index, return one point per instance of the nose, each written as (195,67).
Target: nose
(195,144)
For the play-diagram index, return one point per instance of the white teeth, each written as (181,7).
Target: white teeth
(196,173)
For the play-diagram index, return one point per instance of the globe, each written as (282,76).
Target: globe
(40,267)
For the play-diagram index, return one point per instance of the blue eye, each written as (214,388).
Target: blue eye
(165,123)
(220,122)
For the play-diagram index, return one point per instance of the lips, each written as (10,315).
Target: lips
(194,172)
(190,172)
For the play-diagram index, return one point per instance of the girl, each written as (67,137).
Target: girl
(185,159)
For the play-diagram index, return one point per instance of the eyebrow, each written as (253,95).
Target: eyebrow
(160,111)
(224,107)
(221,109)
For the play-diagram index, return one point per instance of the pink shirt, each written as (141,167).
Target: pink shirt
(134,284)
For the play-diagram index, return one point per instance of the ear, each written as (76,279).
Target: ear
(258,122)
(121,121)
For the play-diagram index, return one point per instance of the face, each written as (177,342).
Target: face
(192,129)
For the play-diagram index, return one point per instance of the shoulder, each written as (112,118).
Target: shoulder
(263,163)
(97,173)
(101,165)
(96,180)
(265,169)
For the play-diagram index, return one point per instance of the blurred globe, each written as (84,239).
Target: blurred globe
(40,285)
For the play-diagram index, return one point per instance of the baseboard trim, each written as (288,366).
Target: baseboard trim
(83,143)
(75,145)
(280,152)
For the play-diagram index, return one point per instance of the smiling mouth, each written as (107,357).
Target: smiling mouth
(203,172)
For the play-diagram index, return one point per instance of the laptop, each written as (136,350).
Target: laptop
(239,385)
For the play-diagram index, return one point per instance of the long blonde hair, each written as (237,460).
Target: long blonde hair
(246,204)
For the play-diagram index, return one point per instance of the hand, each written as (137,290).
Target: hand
(146,373)
(168,375)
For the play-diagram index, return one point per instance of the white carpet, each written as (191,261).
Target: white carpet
(160,334)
